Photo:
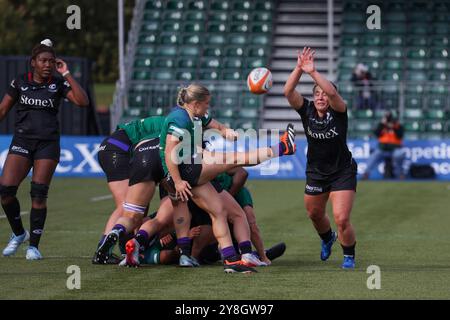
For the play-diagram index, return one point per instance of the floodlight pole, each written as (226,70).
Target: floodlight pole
(330,39)
(121,45)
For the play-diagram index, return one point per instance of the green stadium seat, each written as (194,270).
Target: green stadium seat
(237,39)
(439,89)
(224,112)
(152,15)
(218,16)
(228,101)
(420,16)
(171,26)
(262,16)
(344,76)
(421,28)
(441,28)
(242,5)
(349,52)
(215,39)
(234,51)
(143,62)
(415,89)
(162,75)
(233,63)
(353,28)
(394,40)
(195,16)
(165,62)
(247,113)
(440,41)
(197,5)
(169,38)
(185,75)
(440,64)
(441,17)
(373,64)
(372,40)
(393,52)
(264,5)
(175,5)
(212,52)
(413,101)
(438,75)
(393,64)
(417,53)
(371,52)
(437,53)
(150,26)
(435,114)
(141,75)
(247,124)
(230,74)
(147,38)
(209,75)
(187,62)
(416,64)
(363,126)
(153,5)
(192,39)
(260,27)
(134,112)
(412,126)
(352,16)
(251,101)
(257,52)
(436,103)
(363,114)
(417,40)
(434,126)
(252,63)
(413,114)
(395,28)
(391,76)
(239,27)
(173,15)
(155,111)
(347,63)
(395,16)
(167,51)
(145,50)
(217,27)
(194,27)
(240,16)
(261,39)
(350,40)
(210,62)
(189,51)
(219,5)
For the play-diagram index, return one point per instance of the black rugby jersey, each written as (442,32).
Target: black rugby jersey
(37,106)
(327,141)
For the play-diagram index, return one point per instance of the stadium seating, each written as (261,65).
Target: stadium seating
(410,52)
(214,41)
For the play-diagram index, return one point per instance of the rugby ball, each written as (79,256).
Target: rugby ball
(259,80)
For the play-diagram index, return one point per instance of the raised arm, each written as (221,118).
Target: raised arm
(294,98)
(77,95)
(308,66)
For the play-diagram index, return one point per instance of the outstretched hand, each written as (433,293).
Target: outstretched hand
(305,60)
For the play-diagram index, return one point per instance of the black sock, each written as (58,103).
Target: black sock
(349,251)
(327,236)
(37,221)
(12,212)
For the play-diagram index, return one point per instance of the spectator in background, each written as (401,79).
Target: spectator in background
(390,134)
(362,80)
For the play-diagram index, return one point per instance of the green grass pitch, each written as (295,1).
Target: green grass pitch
(402,227)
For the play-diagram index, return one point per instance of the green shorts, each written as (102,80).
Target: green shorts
(244,198)
(152,254)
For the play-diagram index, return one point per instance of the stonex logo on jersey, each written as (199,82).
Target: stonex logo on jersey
(34,102)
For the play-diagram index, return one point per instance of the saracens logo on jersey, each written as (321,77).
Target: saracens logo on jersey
(45,103)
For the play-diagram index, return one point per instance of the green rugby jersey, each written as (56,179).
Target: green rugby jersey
(179,124)
(143,129)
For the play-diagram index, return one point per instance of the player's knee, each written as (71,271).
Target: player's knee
(39,193)
(342,221)
(315,213)
(8,193)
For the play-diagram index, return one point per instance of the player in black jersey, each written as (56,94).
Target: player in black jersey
(37,96)
(331,170)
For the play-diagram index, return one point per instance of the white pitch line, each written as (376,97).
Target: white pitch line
(101,198)
(22,213)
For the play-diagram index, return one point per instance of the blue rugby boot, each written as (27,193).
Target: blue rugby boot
(326,247)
